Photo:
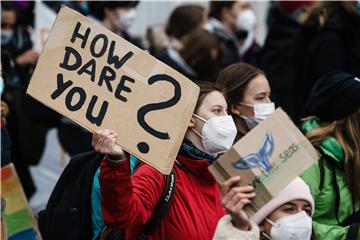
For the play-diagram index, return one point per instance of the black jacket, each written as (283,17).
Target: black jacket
(335,46)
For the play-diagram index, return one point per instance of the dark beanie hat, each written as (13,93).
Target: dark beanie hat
(334,96)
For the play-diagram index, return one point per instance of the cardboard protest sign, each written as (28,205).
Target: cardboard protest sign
(268,157)
(17,220)
(44,19)
(100,80)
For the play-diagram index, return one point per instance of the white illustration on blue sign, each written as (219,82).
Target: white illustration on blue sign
(259,159)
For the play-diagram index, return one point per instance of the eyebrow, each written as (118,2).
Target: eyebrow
(218,106)
(261,93)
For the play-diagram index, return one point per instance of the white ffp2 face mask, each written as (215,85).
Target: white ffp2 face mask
(246,20)
(294,227)
(218,134)
(261,112)
(125,19)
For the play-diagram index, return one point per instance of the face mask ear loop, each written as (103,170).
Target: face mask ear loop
(198,117)
(197,133)
(247,105)
(271,222)
(193,129)
(266,236)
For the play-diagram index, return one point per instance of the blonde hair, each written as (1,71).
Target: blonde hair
(347,132)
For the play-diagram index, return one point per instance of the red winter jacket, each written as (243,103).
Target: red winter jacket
(128,202)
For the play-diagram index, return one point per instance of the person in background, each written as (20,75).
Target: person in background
(285,42)
(247,93)
(233,22)
(183,21)
(15,40)
(295,9)
(333,44)
(128,202)
(286,216)
(201,53)
(118,17)
(5,137)
(334,129)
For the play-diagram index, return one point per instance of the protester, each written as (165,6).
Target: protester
(333,27)
(128,202)
(335,132)
(184,20)
(247,93)
(15,40)
(233,22)
(282,55)
(5,137)
(286,216)
(201,52)
(118,17)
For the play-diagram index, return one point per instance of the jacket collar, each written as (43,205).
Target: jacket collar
(221,31)
(195,160)
(330,146)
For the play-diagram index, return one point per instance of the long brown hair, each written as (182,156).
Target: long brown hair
(205,89)
(198,51)
(347,132)
(323,9)
(233,81)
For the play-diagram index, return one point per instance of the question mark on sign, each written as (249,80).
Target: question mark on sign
(143,146)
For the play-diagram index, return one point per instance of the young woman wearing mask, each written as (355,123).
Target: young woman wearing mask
(286,216)
(233,22)
(335,132)
(128,202)
(248,95)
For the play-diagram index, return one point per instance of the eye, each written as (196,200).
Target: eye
(289,209)
(217,110)
(308,211)
(260,98)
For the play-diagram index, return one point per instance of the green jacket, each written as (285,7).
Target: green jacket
(325,223)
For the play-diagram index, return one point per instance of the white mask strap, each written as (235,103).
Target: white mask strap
(197,116)
(266,236)
(197,133)
(271,222)
(247,105)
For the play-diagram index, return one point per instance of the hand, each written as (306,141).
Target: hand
(104,141)
(234,199)
(28,57)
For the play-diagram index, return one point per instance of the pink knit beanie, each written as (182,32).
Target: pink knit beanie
(295,190)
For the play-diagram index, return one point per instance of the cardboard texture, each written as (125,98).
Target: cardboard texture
(101,81)
(17,219)
(269,157)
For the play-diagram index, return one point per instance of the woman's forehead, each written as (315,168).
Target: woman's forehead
(214,98)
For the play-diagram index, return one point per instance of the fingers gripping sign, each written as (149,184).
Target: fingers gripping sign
(104,141)
(234,199)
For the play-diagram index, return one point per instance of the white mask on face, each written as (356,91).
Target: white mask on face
(294,227)
(246,20)
(126,19)
(218,134)
(6,36)
(261,112)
